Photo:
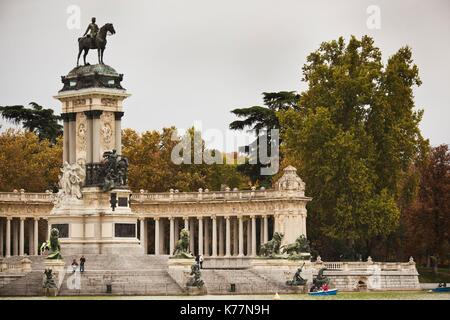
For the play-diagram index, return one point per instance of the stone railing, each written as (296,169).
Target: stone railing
(171,196)
(21,266)
(367,265)
(206,195)
(22,196)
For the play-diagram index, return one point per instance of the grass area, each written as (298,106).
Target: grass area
(382,295)
(426,275)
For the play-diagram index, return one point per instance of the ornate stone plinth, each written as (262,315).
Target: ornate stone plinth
(179,270)
(58,270)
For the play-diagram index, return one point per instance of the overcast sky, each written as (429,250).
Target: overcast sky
(194,60)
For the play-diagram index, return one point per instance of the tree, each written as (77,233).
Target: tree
(354,136)
(28,162)
(427,219)
(261,119)
(36,119)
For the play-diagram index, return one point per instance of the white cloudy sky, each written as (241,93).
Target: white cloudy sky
(195,60)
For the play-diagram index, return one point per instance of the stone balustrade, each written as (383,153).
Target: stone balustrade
(24,265)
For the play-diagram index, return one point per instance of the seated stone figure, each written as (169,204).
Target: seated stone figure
(195,280)
(297,280)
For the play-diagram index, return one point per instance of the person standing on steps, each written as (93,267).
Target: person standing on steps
(82,261)
(74,265)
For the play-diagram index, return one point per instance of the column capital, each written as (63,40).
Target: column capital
(68,116)
(141,218)
(93,114)
(252,216)
(171,218)
(156,218)
(213,217)
(226,217)
(37,218)
(22,218)
(200,218)
(9,218)
(118,115)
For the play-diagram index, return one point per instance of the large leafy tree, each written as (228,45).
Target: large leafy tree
(26,162)
(36,119)
(260,120)
(354,136)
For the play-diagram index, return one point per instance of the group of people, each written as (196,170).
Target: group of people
(75,264)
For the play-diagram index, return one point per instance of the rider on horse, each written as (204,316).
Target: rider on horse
(92,29)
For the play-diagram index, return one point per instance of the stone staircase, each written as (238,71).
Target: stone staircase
(218,281)
(29,284)
(127,275)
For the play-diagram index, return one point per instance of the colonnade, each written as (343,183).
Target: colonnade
(19,236)
(214,236)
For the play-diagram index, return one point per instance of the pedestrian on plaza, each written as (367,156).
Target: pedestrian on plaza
(82,261)
(74,265)
(200,260)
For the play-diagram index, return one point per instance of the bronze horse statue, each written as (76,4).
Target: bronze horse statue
(99,43)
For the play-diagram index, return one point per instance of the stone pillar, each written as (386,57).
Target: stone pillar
(261,231)
(221,240)
(227,237)
(15,236)
(8,237)
(241,237)
(118,134)
(157,236)
(22,237)
(207,251)
(30,238)
(142,234)
(235,236)
(162,239)
(172,236)
(200,235)
(72,137)
(192,236)
(36,236)
(214,236)
(96,156)
(65,138)
(266,229)
(1,238)
(186,223)
(177,229)
(89,141)
(249,237)
(253,236)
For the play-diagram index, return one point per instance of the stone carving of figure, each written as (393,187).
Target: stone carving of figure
(70,181)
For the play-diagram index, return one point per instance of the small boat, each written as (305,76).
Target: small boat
(441,289)
(331,292)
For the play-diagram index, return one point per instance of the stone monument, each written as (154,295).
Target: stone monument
(92,208)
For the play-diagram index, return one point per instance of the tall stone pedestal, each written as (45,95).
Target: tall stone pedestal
(91,225)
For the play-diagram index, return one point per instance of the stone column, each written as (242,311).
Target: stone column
(192,236)
(221,240)
(65,137)
(162,239)
(30,238)
(36,236)
(227,237)
(157,236)
(89,136)
(118,134)
(72,137)
(172,236)
(207,251)
(22,237)
(253,235)
(186,223)
(1,238)
(142,234)
(249,237)
(261,231)
(15,238)
(214,236)
(177,229)
(96,156)
(200,235)
(235,236)
(266,229)
(241,237)
(8,236)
